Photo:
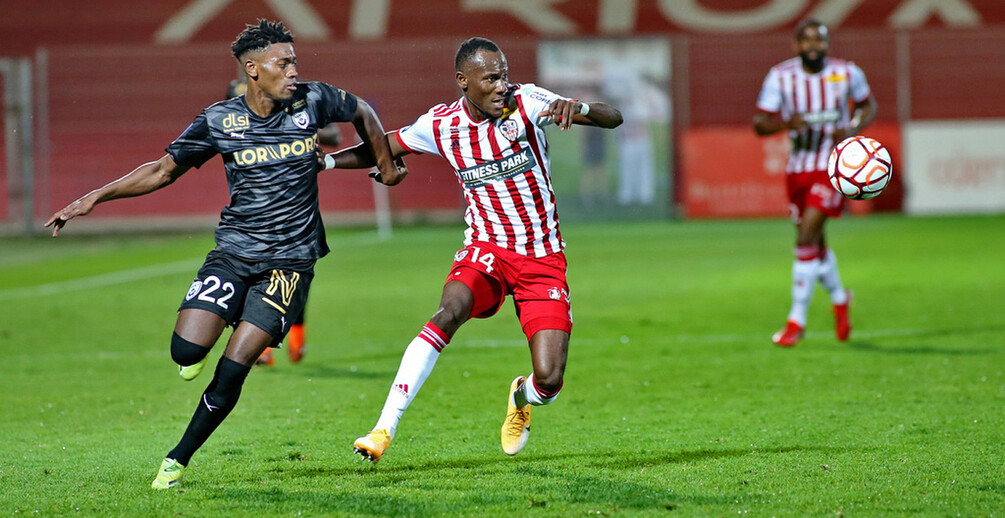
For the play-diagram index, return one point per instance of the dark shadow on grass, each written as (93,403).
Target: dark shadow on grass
(869,346)
(486,486)
(483,482)
(315,371)
(610,459)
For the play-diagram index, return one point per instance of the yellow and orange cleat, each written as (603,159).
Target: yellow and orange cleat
(372,445)
(516,427)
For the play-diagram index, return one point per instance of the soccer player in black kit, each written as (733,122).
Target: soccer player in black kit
(269,236)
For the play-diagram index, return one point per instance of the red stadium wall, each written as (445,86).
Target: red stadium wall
(116,94)
(98,133)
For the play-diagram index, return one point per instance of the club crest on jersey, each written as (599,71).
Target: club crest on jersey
(510,129)
(460,255)
(301,119)
(194,289)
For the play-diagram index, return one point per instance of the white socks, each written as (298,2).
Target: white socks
(805,271)
(830,278)
(809,267)
(416,365)
(530,393)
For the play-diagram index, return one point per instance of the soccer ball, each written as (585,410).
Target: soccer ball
(860,168)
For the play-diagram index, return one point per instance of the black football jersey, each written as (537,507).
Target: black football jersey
(271,170)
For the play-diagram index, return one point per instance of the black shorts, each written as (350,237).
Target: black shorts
(269,294)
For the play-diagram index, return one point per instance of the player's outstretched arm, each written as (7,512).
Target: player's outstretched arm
(361,156)
(144,179)
(566,112)
(372,133)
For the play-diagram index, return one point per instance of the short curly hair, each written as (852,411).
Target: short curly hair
(470,47)
(810,22)
(259,37)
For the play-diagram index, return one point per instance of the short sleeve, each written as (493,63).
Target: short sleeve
(536,100)
(860,90)
(336,105)
(770,98)
(419,137)
(195,145)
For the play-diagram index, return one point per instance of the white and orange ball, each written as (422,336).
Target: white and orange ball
(860,168)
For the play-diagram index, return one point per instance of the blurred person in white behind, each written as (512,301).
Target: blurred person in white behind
(642,103)
(819,100)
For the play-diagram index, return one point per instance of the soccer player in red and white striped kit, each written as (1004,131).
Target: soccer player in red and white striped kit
(819,101)
(493,137)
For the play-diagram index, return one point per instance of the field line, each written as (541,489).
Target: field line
(671,338)
(146,272)
(102,280)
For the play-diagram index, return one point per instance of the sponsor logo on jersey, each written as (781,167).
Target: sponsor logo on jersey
(286,286)
(301,119)
(822,116)
(510,129)
(835,78)
(273,152)
(449,130)
(460,255)
(235,123)
(498,170)
(540,96)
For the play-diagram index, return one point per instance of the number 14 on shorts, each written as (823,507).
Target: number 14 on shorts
(477,256)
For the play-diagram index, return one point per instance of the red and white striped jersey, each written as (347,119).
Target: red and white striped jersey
(823,99)
(503,167)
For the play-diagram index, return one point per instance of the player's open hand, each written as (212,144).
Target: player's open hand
(562,111)
(400,172)
(81,207)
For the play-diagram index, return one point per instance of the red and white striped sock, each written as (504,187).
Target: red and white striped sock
(535,395)
(416,365)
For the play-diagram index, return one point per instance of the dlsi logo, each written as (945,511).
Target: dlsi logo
(234,122)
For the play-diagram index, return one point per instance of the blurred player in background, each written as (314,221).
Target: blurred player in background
(493,137)
(269,236)
(330,136)
(819,101)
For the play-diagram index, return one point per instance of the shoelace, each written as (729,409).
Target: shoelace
(516,421)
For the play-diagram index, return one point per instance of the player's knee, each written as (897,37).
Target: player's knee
(225,389)
(186,353)
(451,314)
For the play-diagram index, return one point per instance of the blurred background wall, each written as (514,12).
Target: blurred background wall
(93,89)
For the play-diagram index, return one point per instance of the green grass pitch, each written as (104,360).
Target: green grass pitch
(675,404)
